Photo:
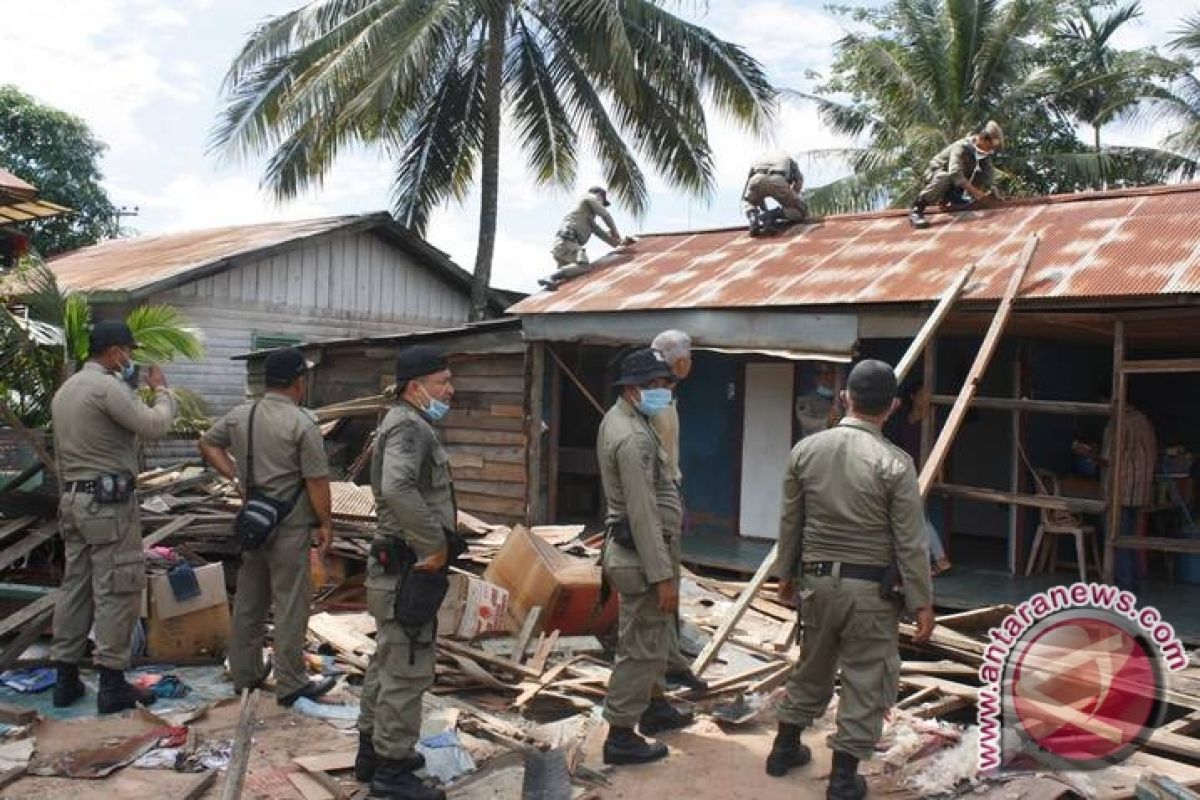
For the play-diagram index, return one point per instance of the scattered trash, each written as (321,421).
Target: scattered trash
(445,757)
(340,716)
(163,686)
(29,681)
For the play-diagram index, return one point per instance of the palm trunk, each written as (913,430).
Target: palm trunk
(1099,157)
(490,177)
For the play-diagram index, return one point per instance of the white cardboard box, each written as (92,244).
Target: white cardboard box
(162,602)
(472,606)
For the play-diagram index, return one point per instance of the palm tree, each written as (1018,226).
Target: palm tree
(430,80)
(1181,104)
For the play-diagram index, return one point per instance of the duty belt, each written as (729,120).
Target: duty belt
(761,171)
(87,487)
(855,571)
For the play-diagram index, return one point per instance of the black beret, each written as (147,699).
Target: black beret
(281,367)
(417,362)
(642,366)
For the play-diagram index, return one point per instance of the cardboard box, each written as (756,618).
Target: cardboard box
(200,633)
(472,606)
(163,604)
(535,573)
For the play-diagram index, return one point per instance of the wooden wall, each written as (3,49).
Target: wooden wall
(331,287)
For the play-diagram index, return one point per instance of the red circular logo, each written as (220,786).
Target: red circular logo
(1085,687)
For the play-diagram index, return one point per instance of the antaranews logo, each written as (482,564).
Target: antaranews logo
(1073,678)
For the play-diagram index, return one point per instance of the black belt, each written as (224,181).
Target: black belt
(87,487)
(855,571)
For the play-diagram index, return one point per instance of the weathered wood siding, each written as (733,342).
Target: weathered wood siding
(332,287)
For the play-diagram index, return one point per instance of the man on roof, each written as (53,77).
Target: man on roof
(775,176)
(576,229)
(962,168)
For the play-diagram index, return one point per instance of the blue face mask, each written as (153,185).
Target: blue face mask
(436,408)
(654,401)
(127,371)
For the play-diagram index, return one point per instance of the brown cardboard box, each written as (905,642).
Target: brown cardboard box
(200,633)
(567,588)
(163,604)
(472,606)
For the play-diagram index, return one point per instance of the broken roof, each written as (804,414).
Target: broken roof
(1118,244)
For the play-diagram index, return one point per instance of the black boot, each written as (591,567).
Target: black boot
(916,217)
(117,694)
(396,779)
(754,217)
(844,781)
(662,716)
(312,691)
(787,752)
(67,687)
(366,760)
(623,746)
(689,679)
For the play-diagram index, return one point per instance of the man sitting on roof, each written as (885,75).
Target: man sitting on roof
(776,176)
(964,167)
(577,227)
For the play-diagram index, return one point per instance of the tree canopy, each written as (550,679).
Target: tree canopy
(56,152)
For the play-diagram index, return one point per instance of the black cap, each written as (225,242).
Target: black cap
(110,333)
(600,190)
(872,385)
(642,366)
(282,367)
(417,362)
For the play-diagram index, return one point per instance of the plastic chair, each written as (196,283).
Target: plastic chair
(1055,523)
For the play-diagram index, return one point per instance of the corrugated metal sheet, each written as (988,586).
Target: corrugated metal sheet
(1119,244)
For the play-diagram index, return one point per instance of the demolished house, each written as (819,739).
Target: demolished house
(1028,307)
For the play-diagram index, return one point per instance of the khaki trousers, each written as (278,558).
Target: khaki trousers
(676,660)
(760,187)
(276,575)
(846,624)
(103,581)
(399,674)
(642,649)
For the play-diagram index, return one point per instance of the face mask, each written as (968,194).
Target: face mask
(654,401)
(825,391)
(436,408)
(127,370)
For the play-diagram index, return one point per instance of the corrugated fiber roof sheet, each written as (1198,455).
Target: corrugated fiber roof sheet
(1117,244)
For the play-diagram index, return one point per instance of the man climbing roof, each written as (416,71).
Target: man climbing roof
(964,167)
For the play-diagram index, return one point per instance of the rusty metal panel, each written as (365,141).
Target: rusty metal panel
(1137,242)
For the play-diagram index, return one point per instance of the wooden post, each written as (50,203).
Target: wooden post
(1116,447)
(556,387)
(929,329)
(583,390)
(235,774)
(535,366)
(954,420)
(1016,466)
(929,421)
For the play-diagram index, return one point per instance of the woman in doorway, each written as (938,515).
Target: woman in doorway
(904,430)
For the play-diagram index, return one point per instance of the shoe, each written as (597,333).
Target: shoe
(548,284)
(394,779)
(661,716)
(314,690)
(68,688)
(688,679)
(756,223)
(367,760)
(787,752)
(844,781)
(916,218)
(258,684)
(117,694)
(623,746)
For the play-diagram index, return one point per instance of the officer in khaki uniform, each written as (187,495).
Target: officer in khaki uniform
(97,421)
(288,465)
(414,495)
(642,517)
(775,176)
(963,167)
(676,347)
(850,509)
(578,226)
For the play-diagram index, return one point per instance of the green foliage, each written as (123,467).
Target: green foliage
(56,152)
(191,414)
(626,80)
(1179,104)
(928,72)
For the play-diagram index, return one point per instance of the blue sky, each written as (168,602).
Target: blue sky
(146,74)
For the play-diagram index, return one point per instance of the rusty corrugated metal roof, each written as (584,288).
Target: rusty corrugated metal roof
(1135,242)
(127,265)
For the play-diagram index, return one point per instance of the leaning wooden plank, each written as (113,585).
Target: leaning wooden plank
(9,527)
(28,635)
(235,775)
(482,657)
(166,531)
(16,552)
(537,662)
(14,621)
(786,637)
(946,687)
(199,787)
(528,628)
(983,357)
(735,614)
(11,775)
(929,329)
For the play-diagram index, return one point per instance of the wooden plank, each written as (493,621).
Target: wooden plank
(537,662)
(1184,726)
(983,357)
(14,621)
(950,669)
(1163,741)
(1056,502)
(471,436)
(917,697)
(31,542)
(947,705)
(528,628)
(934,321)
(483,657)
(13,775)
(942,685)
(166,531)
(786,637)
(1160,365)
(199,786)
(498,383)
(235,774)
(1025,404)
(729,623)
(1116,445)
(536,379)
(27,636)
(9,527)
(17,715)
(497,489)
(327,762)
(929,420)
(309,787)
(507,410)
(483,504)
(1160,544)
(481,421)
(571,376)
(492,471)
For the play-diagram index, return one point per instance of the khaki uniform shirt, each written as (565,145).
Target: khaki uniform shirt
(666,425)
(580,222)
(780,164)
(638,486)
(960,161)
(849,495)
(410,476)
(97,420)
(288,449)
(1139,458)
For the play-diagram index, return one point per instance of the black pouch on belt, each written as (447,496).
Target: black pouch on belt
(391,554)
(622,533)
(891,585)
(419,595)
